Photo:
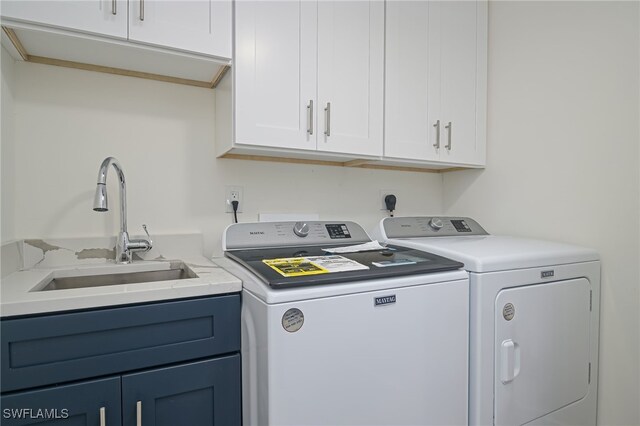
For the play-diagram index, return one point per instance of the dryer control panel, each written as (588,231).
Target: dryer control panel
(430,226)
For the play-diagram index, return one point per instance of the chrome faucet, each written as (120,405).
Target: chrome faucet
(124,246)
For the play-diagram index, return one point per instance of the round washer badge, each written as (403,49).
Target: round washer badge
(508,311)
(292,320)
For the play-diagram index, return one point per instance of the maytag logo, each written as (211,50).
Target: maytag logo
(384,300)
(546,274)
(256,232)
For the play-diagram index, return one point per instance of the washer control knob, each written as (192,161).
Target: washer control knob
(301,229)
(436,224)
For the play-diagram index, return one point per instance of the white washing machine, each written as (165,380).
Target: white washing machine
(377,337)
(534,320)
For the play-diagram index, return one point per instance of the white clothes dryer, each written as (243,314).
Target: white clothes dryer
(534,320)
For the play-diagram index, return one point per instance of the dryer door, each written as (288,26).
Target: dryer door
(541,349)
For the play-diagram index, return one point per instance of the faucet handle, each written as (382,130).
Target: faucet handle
(141,244)
(147,232)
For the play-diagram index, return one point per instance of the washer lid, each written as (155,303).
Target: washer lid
(488,253)
(292,267)
(251,283)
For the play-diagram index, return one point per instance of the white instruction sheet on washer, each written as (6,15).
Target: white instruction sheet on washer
(370,246)
(336,263)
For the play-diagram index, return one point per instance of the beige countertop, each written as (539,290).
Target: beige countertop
(20,295)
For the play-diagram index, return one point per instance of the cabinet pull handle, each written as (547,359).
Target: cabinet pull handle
(139,413)
(114,11)
(310,117)
(142,10)
(327,119)
(103,416)
(437,126)
(448,127)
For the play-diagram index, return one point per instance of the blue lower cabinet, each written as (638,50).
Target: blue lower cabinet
(80,404)
(203,393)
(174,363)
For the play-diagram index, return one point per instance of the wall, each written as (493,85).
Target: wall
(68,121)
(563,158)
(7,150)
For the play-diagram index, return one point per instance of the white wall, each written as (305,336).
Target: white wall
(67,121)
(7,150)
(563,158)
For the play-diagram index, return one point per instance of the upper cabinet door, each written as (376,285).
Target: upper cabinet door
(199,26)
(350,76)
(435,100)
(275,67)
(411,81)
(463,53)
(104,17)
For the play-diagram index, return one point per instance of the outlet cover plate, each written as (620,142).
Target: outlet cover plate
(233,193)
(384,193)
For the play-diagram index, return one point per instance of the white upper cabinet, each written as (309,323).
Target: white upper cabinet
(309,76)
(200,26)
(104,17)
(436,56)
(275,73)
(351,76)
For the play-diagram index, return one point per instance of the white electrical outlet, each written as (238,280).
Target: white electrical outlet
(233,193)
(384,193)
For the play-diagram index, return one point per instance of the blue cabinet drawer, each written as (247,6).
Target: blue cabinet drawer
(57,348)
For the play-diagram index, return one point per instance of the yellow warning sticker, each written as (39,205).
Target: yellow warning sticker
(295,266)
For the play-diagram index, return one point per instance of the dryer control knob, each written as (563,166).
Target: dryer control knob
(301,229)
(436,224)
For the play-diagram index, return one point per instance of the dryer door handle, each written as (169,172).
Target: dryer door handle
(509,361)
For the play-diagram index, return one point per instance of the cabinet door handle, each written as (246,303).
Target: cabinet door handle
(437,126)
(310,117)
(327,119)
(448,127)
(139,413)
(142,10)
(103,416)
(114,11)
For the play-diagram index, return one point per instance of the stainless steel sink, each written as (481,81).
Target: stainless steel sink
(65,283)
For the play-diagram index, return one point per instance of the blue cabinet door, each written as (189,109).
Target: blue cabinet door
(203,393)
(78,404)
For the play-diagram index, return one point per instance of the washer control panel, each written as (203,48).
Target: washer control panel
(283,234)
(428,226)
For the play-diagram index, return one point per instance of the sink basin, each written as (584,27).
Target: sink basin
(64,283)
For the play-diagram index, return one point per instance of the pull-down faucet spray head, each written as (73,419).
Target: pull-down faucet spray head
(100,203)
(100,200)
